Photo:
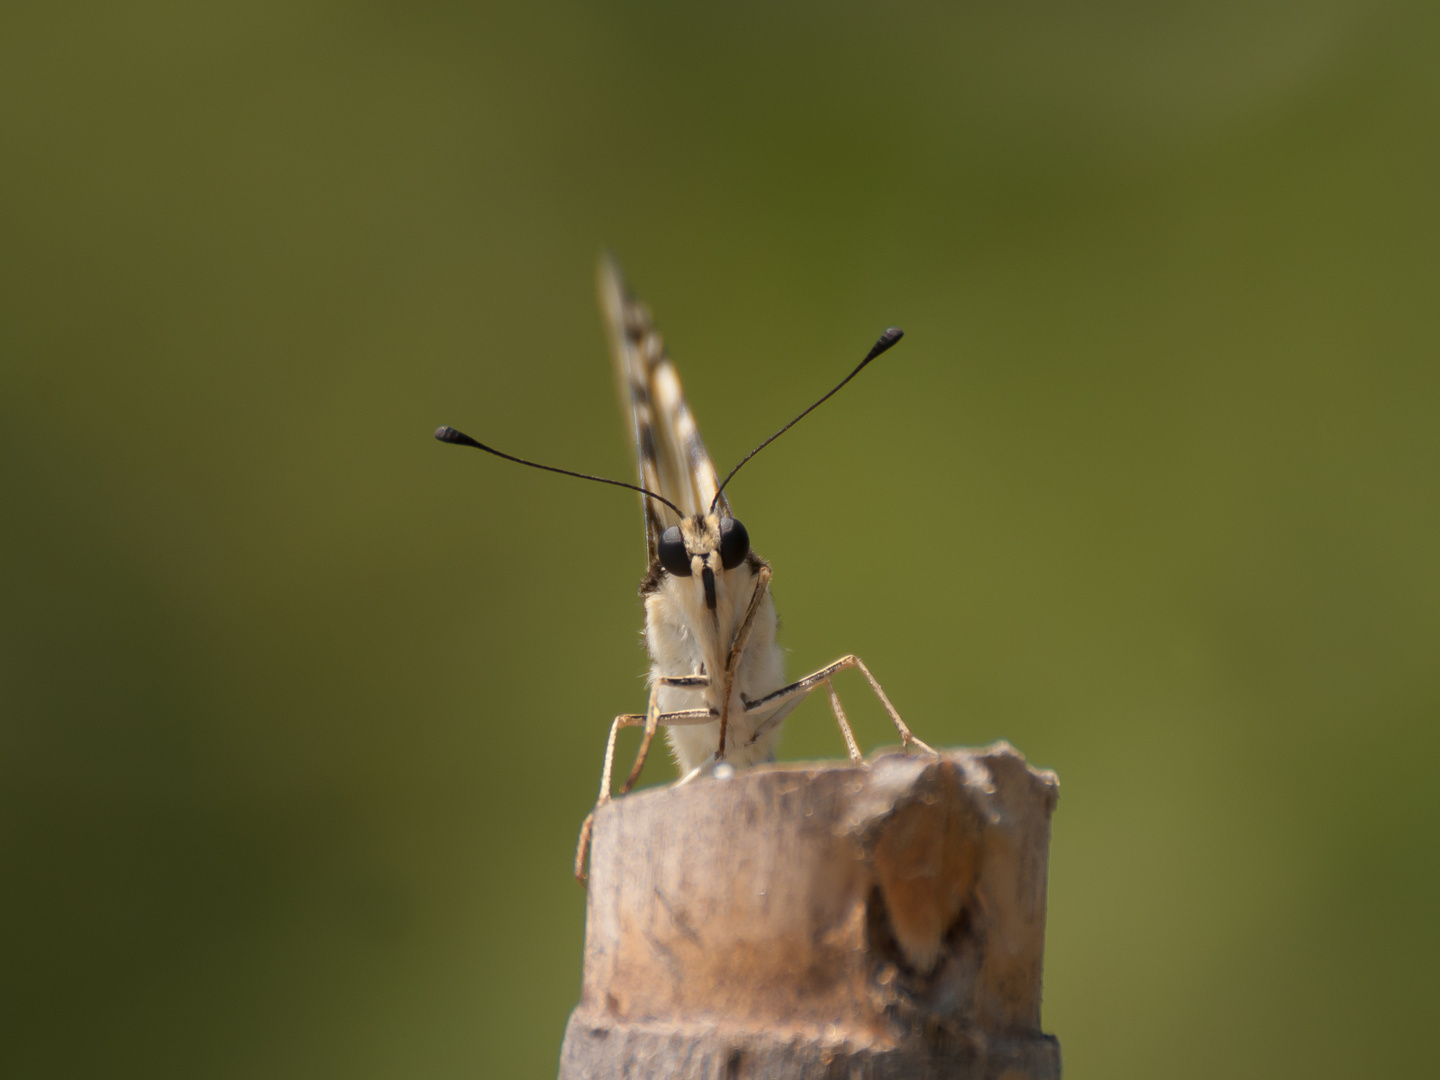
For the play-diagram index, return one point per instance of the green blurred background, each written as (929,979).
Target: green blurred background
(300,711)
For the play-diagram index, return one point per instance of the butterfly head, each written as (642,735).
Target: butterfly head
(704,546)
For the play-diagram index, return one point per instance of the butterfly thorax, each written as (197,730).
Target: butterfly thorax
(691,621)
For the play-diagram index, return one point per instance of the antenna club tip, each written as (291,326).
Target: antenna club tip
(888,338)
(447,434)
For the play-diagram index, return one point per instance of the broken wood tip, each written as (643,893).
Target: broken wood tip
(821,920)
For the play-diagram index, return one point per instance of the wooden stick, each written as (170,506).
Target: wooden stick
(821,921)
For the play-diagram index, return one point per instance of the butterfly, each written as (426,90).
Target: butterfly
(717,675)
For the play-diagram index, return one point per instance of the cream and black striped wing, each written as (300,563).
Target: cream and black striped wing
(670,455)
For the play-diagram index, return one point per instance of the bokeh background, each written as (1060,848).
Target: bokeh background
(300,711)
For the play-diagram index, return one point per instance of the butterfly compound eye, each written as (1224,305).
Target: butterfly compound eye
(734,543)
(673,555)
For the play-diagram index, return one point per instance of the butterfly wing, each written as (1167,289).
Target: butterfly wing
(671,458)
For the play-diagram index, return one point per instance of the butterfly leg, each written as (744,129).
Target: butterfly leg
(855,756)
(737,649)
(624,720)
(652,720)
(824,675)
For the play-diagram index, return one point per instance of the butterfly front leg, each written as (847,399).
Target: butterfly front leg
(737,650)
(803,686)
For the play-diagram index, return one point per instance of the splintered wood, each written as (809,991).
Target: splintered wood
(821,921)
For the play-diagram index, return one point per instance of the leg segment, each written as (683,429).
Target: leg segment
(652,720)
(737,649)
(624,720)
(810,682)
(855,756)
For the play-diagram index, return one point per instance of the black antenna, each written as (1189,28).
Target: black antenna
(459,438)
(887,339)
